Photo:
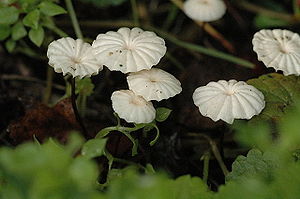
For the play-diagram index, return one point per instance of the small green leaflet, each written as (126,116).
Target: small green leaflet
(8,15)
(37,36)
(93,148)
(50,9)
(18,31)
(32,19)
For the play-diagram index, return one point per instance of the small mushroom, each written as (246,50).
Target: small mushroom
(154,84)
(204,10)
(132,107)
(228,100)
(129,50)
(74,57)
(279,49)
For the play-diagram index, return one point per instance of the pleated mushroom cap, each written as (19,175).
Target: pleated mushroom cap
(278,49)
(228,100)
(204,10)
(131,107)
(154,84)
(74,57)
(129,50)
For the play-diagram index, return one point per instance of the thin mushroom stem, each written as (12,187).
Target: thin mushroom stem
(209,29)
(74,105)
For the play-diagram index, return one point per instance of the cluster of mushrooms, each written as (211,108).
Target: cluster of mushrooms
(132,51)
(135,51)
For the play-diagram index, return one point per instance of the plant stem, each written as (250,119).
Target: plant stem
(174,61)
(29,79)
(56,30)
(74,20)
(48,89)
(135,14)
(74,105)
(215,151)
(171,17)
(206,158)
(260,10)
(201,49)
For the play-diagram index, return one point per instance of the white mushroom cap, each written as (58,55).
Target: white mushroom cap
(204,10)
(279,49)
(154,84)
(228,100)
(131,107)
(129,50)
(74,57)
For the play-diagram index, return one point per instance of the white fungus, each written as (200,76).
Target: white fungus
(74,57)
(132,108)
(228,100)
(154,84)
(129,50)
(279,49)
(204,10)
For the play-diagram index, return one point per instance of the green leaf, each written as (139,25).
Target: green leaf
(93,148)
(10,45)
(280,93)
(4,32)
(255,164)
(104,3)
(37,36)
(162,114)
(8,15)
(50,9)
(32,19)
(18,31)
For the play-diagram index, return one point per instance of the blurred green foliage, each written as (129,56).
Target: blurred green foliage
(104,3)
(19,18)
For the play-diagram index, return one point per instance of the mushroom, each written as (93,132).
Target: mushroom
(74,57)
(132,107)
(204,10)
(129,50)
(279,49)
(154,84)
(228,100)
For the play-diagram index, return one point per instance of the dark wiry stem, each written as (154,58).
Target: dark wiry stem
(74,105)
